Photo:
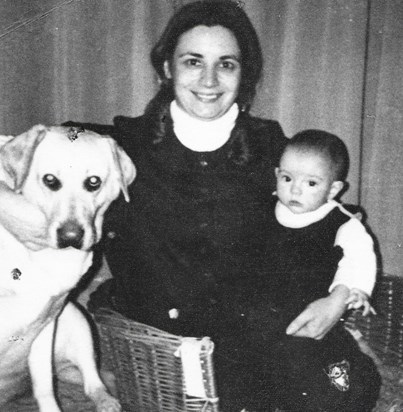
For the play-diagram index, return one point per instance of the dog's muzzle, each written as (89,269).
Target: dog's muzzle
(70,234)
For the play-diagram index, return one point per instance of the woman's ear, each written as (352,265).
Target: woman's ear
(167,70)
(276,170)
(335,189)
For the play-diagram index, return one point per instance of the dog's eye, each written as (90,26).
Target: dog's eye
(52,182)
(92,183)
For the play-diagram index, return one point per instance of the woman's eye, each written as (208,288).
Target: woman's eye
(228,65)
(192,62)
(286,178)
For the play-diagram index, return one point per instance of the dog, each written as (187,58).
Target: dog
(72,175)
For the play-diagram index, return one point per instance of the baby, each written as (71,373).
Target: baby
(312,173)
(319,245)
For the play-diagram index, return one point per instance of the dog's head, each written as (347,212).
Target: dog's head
(72,175)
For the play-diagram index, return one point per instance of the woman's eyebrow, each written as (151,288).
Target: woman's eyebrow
(230,56)
(198,55)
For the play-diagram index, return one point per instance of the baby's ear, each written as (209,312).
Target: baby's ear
(335,189)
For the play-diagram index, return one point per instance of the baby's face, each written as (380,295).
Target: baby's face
(304,181)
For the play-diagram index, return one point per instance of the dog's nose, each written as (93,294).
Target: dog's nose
(70,234)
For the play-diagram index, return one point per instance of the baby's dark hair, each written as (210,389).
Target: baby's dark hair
(325,144)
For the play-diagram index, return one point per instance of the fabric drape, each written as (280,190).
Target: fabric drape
(329,64)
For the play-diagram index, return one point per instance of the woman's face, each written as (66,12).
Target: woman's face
(206,71)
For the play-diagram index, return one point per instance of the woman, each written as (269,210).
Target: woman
(185,251)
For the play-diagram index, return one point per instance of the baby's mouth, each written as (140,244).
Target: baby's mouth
(294,203)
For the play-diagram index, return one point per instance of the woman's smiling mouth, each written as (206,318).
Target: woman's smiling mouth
(207,98)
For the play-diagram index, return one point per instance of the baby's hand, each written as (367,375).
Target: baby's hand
(359,299)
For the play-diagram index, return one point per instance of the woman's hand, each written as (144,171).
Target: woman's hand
(320,316)
(22,219)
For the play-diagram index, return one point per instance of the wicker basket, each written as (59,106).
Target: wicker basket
(382,338)
(148,367)
(384,332)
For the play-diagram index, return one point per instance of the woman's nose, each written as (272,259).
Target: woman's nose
(209,77)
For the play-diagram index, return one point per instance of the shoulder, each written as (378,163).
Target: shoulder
(256,138)
(125,124)
(265,136)
(355,234)
(259,127)
(260,123)
(350,217)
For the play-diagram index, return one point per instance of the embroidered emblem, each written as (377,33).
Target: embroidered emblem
(338,374)
(73,132)
(16,273)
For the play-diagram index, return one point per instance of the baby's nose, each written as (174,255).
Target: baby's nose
(295,189)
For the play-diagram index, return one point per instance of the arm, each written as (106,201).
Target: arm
(321,315)
(357,268)
(22,219)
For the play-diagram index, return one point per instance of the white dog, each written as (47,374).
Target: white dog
(72,175)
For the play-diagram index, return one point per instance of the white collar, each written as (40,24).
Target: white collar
(295,221)
(200,135)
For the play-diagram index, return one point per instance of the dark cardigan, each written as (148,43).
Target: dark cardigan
(191,236)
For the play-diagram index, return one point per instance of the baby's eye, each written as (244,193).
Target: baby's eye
(312,183)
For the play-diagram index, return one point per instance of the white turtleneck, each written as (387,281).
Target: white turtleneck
(297,220)
(202,135)
(357,268)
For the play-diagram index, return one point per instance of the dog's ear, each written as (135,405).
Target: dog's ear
(16,155)
(123,165)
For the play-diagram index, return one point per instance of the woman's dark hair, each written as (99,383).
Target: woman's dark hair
(326,144)
(225,13)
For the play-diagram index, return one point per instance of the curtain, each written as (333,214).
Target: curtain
(381,176)
(329,64)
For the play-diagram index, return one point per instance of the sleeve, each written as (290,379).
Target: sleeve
(357,268)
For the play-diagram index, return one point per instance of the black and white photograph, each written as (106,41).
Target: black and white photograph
(201,206)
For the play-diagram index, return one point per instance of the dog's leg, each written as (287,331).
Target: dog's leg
(74,344)
(40,366)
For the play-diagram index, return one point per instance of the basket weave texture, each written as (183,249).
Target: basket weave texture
(148,370)
(382,338)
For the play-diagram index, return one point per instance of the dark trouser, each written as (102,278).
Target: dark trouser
(302,378)
(292,374)
(241,384)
